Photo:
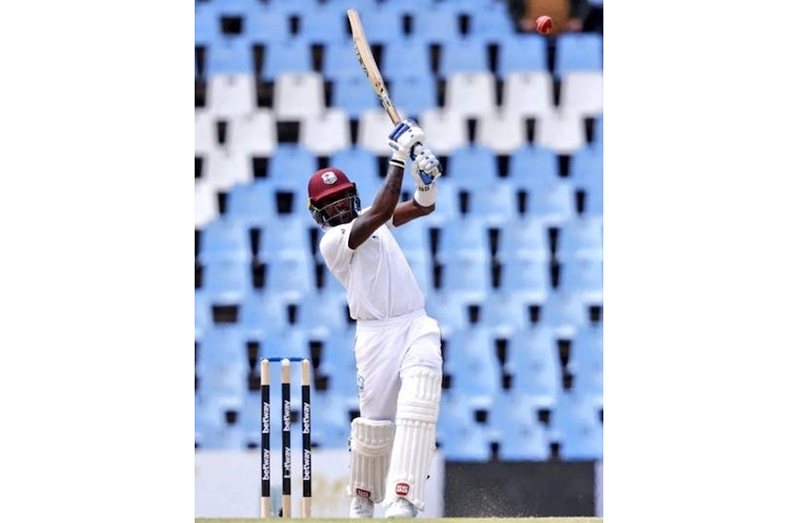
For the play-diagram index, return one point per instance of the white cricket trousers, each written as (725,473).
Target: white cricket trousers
(384,350)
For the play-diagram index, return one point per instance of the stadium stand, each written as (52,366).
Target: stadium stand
(511,261)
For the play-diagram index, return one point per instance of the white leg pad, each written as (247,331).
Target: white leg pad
(369,457)
(414,443)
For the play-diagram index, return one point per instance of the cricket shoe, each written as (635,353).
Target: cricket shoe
(401,509)
(361,508)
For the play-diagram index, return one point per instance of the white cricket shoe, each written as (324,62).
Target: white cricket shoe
(401,509)
(361,508)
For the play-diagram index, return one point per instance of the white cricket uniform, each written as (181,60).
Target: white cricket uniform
(393,332)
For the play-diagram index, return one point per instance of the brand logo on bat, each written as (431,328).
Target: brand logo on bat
(329,177)
(402,489)
(362,493)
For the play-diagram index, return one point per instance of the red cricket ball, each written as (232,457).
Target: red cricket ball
(543,24)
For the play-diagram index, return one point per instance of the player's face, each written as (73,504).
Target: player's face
(340,208)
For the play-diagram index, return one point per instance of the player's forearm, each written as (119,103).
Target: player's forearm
(407,211)
(388,196)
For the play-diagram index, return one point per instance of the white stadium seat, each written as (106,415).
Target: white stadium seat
(231,95)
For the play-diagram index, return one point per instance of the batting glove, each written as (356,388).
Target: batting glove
(425,168)
(403,139)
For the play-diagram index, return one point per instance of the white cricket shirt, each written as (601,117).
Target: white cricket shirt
(378,279)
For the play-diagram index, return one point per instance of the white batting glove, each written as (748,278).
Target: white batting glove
(403,140)
(426,167)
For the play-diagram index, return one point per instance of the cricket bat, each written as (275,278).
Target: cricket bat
(366,59)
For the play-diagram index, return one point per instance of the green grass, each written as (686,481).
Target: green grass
(443,520)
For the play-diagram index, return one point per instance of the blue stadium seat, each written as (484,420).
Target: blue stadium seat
(362,167)
(435,26)
(532,360)
(268,27)
(224,239)
(471,361)
(586,361)
(461,438)
(360,5)
(527,279)
(330,425)
(414,236)
(352,93)
(463,55)
(414,93)
(324,25)
(206,26)
(222,365)
(472,168)
(467,237)
(251,412)
(292,6)
(227,282)
(490,21)
(514,426)
(468,277)
(598,130)
(582,276)
(504,313)
(262,312)
(209,418)
(578,428)
(290,167)
(565,312)
(203,319)
(338,350)
(287,234)
(404,56)
(229,56)
(288,343)
(581,237)
(553,203)
(496,206)
(447,206)
(340,61)
(587,168)
(324,309)
(290,275)
(469,445)
(594,201)
(342,382)
(381,25)
(523,238)
(521,53)
(448,308)
(533,166)
(290,56)
(252,204)
(578,52)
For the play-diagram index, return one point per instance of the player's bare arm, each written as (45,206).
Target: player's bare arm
(381,209)
(403,139)
(410,210)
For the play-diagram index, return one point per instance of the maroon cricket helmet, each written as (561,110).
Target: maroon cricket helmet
(328,182)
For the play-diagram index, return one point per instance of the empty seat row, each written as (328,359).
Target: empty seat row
(397,53)
(263,200)
(465,95)
(529,361)
(519,425)
(501,311)
(232,237)
(472,166)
